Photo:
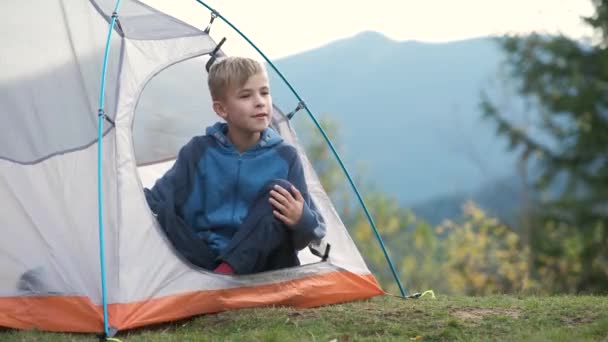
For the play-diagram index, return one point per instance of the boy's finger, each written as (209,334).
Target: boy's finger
(277,205)
(297,194)
(280,216)
(283,192)
(278,197)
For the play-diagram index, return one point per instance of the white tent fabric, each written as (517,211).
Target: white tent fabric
(49,253)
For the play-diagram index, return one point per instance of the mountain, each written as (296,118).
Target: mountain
(500,198)
(408,110)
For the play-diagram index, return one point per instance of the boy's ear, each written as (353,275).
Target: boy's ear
(220,109)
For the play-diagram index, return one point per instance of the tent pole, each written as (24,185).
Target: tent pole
(327,140)
(101,119)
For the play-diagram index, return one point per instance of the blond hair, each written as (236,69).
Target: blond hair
(229,72)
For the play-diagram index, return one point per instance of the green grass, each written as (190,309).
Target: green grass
(502,318)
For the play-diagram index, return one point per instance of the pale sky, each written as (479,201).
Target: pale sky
(285,27)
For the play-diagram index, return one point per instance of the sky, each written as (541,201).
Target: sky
(285,27)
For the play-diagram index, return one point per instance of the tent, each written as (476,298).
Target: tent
(81,253)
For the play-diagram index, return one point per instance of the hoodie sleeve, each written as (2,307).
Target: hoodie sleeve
(173,188)
(169,193)
(311,226)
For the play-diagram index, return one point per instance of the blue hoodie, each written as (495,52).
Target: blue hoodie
(213,185)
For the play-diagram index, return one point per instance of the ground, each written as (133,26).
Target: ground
(385,318)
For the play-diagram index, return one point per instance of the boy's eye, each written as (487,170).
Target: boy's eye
(244,96)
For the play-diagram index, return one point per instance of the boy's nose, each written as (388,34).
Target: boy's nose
(259,101)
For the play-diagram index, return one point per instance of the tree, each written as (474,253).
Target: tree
(566,82)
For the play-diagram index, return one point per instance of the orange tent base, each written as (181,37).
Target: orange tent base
(79,314)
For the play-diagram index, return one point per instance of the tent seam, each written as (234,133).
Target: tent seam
(54,154)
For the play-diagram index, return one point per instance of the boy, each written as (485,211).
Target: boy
(236,201)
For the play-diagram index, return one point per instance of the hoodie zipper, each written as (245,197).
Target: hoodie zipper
(236,188)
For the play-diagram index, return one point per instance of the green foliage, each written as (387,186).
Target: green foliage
(484,256)
(565,81)
(479,255)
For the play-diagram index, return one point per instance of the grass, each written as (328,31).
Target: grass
(502,318)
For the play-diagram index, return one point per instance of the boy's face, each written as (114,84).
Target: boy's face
(247,108)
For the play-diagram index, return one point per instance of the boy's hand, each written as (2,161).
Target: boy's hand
(288,205)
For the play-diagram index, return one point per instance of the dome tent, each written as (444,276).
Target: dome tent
(49,144)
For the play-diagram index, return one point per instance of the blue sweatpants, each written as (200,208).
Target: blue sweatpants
(262,242)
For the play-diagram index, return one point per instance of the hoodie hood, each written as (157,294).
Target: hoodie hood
(219,131)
